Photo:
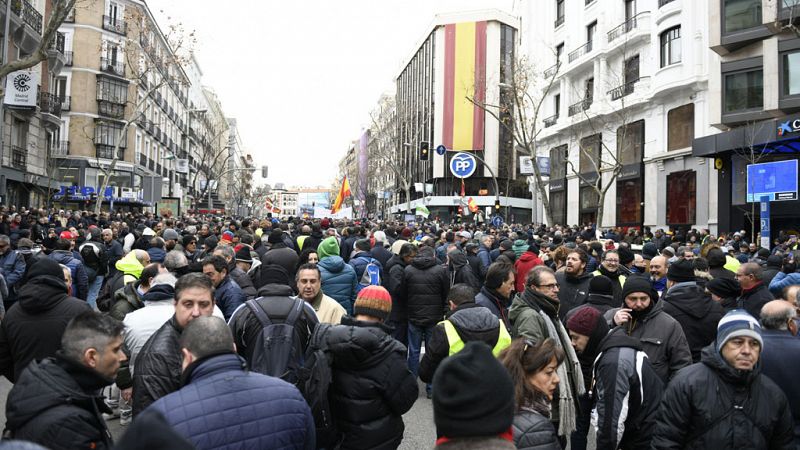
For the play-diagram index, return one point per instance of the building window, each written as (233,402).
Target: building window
(671,46)
(744,90)
(681,198)
(630,143)
(629,202)
(589,200)
(112,90)
(559,51)
(106,133)
(591,29)
(680,127)
(558,105)
(741,15)
(791,73)
(559,13)
(558,206)
(590,154)
(558,162)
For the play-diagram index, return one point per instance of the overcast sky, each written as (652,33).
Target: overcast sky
(302,75)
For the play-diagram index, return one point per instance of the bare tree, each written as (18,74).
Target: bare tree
(214,156)
(384,152)
(752,153)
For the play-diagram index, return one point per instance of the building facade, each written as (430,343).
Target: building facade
(630,92)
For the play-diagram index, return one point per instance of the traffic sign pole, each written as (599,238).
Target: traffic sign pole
(765,225)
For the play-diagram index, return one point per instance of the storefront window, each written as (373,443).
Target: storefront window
(629,202)
(588,198)
(681,197)
(680,127)
(558,206)
(741,14)
(744,90)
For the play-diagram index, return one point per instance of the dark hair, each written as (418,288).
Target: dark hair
(205,336)
(217,261)
(304,256)
(523,358)
(307,266)
(497,274)
(535,275)
(193,280)
(89,330)
(149,272)
(581,254)
(461,293)
(408,250)
(63,244)
(700,264)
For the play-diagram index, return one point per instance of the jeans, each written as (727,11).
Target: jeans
(578,439)
(416,335)
(94,290)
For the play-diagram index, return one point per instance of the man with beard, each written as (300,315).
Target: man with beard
(586,330)
(610,268)
(534,314)
(642,316)
(573,282)
(658,274)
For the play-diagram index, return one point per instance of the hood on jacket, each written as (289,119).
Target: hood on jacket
(457,260)
(716,258)
(689,298)
(473,318)
(619,340)
(159,292)
(527,257)
(602,299)
(360,344)
(712,358)
(129,265)
(423,262)
(332,263)
(275,290)
(42,293)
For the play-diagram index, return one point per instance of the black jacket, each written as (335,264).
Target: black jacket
(754,299)
(589,354)
(313,240)
(572,292)
(158,366)
(380,253)
(394,271)
(56,403)
(600,302)
(372,387)
(283,256)
(32,327)
(427,286)
(461,272)
(495,303)
(627,392)
(242,279)
(712,405)
(472,322)
(534,431)
(277,301)
(697,314)
(477,267)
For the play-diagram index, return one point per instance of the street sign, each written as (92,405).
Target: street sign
(441,150)
(497,221)
(463,165)
(765,240)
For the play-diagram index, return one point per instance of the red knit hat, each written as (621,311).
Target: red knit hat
(583,321)
(373,301)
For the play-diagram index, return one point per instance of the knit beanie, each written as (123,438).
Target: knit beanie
(506,245)
(625,255)
(273,274)
(602,285)
(649,250)
(520,246)
(681,271)
(584,320)
(738,323)
(188,239)
(243,254)
(473,394)
(406,233)
(210,243)
(724,287)
(46,267)
(373,301)
(170,235)
(328,247)
(275,236)
(638,283)
(226,237)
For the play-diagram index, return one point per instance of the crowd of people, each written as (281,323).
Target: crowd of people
(213,332)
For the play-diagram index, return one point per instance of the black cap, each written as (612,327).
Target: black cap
(601,284)
(681,271)
(724,287)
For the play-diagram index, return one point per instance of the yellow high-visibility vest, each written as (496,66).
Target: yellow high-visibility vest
(457,344)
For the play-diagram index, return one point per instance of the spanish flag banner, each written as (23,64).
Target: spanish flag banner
(344,192)
(473,207)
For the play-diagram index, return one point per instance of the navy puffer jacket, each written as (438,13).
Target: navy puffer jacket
(427,285)
(339,281)
(217,390)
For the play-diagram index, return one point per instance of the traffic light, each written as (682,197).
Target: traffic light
(264,171)
(424,148)
(497,205)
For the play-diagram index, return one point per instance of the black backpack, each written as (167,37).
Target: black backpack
(281,355)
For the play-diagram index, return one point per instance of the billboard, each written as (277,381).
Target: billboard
(775,180)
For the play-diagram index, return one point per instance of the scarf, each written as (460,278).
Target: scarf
(571,377)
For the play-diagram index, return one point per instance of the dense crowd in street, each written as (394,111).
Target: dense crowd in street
(212,332)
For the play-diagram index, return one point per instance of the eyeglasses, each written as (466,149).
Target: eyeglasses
(615,261)
(548,286)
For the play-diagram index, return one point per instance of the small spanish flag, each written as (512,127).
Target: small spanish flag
(344,192)
(473,207)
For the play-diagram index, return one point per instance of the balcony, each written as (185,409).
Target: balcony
(626,89)
(112,66)
(30,16)
(25,24)
(68,55)
(550,121)
(60,148)
(151,164)
(625,27)
(116,25)
(581,106)
(559,21)
(114,110)
(66,103)
(143,160)
(56,58)
(551,71)
(107,152)
(50,104)
(580,51)
(19,158)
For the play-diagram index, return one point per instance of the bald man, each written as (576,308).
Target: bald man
(778,319)
(658,274)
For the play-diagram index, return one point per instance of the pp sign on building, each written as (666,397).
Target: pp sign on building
(21,89)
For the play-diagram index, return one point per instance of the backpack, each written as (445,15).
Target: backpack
(371,275)
(310,371)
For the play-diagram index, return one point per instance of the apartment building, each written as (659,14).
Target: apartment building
(630,92)
(382,161)
(31,122)
(754,102)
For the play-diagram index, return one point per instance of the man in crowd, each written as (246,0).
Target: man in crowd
(466,321)
(642,316)
(95,260)
(227,294)
(724,401)
(658,274)
(395,284)
(63,255)
(214,379)
(755,294)
(113,250)
(235,273)
(497,290)
(56,401)
(573,282)
(158,366)
(610,267)
(309,287)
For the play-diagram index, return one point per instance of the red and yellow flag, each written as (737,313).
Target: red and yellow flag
(473,207)
(344,192)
